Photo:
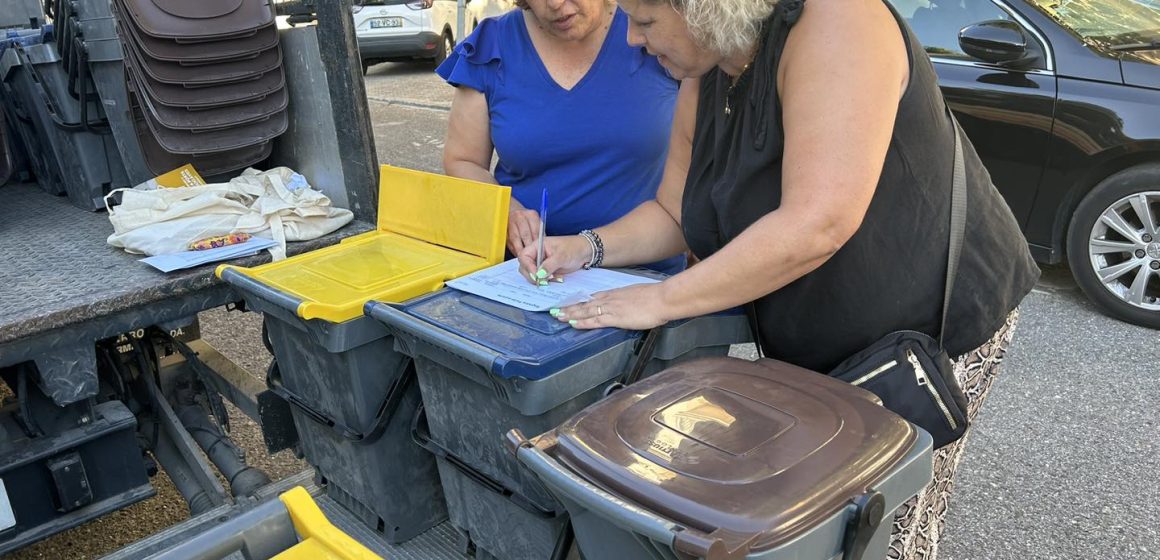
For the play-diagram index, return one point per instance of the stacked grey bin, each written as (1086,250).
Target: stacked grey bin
(352,398)
(485,368)
(61,121)
(205,82)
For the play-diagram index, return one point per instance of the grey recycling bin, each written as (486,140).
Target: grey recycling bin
(485,368)
(726,459)
(77,133)
(352,398)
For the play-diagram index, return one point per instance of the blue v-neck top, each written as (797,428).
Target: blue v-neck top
(599,147)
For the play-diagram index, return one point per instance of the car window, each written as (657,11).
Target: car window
(1106,23)
(938,22)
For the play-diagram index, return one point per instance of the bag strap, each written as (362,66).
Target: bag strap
(958,222)
(645,349)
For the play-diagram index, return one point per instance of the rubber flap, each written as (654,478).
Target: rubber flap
(751,453)
(464,215)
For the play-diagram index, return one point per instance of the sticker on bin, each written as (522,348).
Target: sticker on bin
(432,228)
(7,518)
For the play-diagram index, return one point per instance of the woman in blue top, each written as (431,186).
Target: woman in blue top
(568,106)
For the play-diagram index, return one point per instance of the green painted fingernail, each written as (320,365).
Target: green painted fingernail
(532,277)
(541,273)
(554,312)
(573,322)
(543,282)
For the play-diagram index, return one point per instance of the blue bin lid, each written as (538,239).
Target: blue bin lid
(25,37)
(526,344)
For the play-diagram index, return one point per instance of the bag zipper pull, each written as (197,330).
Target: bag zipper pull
(919,373)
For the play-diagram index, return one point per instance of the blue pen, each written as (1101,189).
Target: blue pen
(543,231)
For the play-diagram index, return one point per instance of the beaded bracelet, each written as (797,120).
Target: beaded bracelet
(597,249)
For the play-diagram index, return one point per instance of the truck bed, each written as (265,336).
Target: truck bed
(58,270)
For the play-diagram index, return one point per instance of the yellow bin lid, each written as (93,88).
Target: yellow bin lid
(432,228)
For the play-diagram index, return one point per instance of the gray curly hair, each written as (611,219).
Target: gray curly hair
(726,27)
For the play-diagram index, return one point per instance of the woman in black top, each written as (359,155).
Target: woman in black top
(810,169)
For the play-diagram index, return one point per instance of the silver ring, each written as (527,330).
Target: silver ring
(599,310)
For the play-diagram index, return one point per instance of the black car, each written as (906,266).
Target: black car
(1062,100)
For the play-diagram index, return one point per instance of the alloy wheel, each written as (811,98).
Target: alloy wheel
(1124,247)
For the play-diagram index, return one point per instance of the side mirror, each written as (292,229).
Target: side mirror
(997,41)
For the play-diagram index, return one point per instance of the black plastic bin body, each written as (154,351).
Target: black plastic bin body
(342,373)
(485,368)
(89,162)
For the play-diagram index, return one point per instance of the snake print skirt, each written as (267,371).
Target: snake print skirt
(920,522)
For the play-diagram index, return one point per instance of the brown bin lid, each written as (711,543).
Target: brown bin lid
(755,453)
(205,52)
(180,141)
(207,74)
(199,20)
(208,165)
(214,118)
(207,96)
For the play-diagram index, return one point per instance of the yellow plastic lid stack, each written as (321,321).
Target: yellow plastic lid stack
(319,540)
(431,228)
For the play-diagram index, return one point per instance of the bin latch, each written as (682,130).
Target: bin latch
(868,512)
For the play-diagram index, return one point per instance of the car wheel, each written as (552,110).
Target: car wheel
(1114,245)
(444,48)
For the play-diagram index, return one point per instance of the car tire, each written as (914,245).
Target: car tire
(1114,254)
(445,45)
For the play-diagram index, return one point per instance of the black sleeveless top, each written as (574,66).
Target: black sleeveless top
(890,275)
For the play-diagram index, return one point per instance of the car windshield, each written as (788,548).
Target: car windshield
(1107,23)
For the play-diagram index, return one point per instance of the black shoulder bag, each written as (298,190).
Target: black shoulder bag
(909,370)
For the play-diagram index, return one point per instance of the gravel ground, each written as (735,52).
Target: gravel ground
(236,336)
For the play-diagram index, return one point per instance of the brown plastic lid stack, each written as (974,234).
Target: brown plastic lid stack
(208,164)
(189,142)
(204,53)
(754,453)
(209,96)
(219,73)
(213,118)
(196,21)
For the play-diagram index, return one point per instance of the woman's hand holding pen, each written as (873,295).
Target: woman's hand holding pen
(635,307)
(562,254)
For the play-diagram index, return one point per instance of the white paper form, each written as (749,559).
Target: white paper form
(504,283)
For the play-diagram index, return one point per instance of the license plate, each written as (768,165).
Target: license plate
(379,23)
(7,518)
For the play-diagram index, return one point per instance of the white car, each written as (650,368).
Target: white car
(405,30)
(479,9)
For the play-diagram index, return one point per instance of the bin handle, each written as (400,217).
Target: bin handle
(718,545)
(232,276)
(387,409)
(590,496)
(397,319)
(422,437)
